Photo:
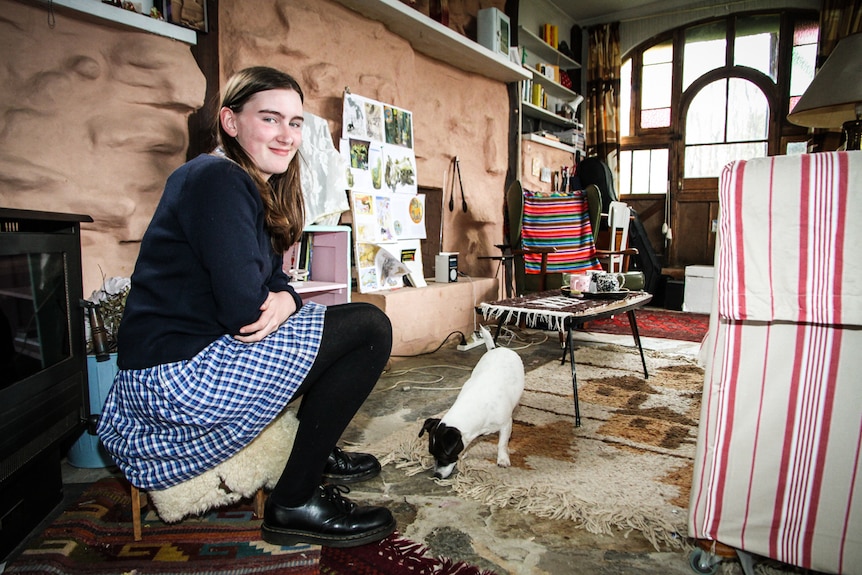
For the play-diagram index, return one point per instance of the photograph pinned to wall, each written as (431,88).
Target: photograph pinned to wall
(365,159)
(408,213)
(372,218)
(411,256)
(378,268)
(362,118)
(399,126)
(399,171)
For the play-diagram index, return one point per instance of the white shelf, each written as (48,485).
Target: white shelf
(551,143)
(540,113)
(100,11)
(437,41)
(541,50)
(552,88)
(308,287)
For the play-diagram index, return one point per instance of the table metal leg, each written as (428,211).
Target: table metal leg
(634,325)
(571,347)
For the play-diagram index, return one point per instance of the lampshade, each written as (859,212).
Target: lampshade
(835,93)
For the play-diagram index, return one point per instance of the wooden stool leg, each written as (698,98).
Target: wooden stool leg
(136,513)
(259,500)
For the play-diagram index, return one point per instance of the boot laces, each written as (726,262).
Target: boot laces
(335,494)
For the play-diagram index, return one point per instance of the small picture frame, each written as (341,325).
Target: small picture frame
(186,13)
(493,31)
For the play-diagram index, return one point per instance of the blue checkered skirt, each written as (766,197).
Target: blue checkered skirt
(168,423)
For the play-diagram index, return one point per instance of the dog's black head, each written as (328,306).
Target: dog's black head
(444,442)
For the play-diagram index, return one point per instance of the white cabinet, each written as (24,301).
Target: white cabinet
(325,254)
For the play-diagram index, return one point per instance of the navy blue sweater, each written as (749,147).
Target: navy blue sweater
(205,266)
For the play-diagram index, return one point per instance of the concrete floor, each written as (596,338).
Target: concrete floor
(501,540)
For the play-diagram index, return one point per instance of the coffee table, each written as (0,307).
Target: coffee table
(556,311)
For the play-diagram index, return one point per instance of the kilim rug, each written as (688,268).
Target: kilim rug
(628,467)
(665,324)
(94,537)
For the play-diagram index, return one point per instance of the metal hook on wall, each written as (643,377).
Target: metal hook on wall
(456,169)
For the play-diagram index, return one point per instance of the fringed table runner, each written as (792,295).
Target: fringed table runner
(551,309)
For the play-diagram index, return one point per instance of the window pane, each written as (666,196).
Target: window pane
(708,161)
(658,173)
(756,44)
(644,171)
(705,121)
(655,118)
(802,68)
(659,54)
(640,171)
(747,112)
(803,58)
(704,51)
(625,172)
(656,86)
(625,97)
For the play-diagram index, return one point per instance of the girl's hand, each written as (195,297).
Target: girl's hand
(274,311)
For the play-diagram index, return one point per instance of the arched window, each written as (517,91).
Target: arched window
(697,97)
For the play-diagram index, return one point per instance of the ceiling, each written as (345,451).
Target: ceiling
(589,12)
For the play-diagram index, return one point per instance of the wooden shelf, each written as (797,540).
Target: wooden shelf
(543,51)
(100,11)
(437,41)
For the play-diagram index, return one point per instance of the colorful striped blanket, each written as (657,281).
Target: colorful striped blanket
(559,220)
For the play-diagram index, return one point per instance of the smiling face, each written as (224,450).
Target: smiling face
(268,127)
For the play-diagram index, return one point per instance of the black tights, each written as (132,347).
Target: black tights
(357,340)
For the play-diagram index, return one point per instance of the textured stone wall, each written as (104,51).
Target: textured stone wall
(94,117)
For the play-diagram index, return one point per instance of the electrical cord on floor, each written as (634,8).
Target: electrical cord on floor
(436,349)
(418,370)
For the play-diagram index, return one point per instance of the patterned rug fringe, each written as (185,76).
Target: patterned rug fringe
(545,501)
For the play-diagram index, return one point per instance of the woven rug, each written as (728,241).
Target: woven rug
(628,467)
(664,324)
(94,537)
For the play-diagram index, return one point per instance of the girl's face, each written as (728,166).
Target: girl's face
(269,128)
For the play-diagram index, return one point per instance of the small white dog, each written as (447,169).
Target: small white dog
(483,406)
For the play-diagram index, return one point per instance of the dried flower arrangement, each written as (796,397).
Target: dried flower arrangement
(111,299)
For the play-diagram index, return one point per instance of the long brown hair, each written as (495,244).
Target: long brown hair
(282,193)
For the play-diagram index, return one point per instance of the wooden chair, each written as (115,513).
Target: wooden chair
(139,501)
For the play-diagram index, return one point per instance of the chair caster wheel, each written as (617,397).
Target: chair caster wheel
(703,562)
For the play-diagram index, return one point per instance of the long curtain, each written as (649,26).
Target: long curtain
(838,19)
(603,94)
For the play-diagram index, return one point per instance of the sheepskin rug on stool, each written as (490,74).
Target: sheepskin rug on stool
(257,465)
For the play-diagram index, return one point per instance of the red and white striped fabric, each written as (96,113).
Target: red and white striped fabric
(778,469)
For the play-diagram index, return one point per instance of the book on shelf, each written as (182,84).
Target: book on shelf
(551,35)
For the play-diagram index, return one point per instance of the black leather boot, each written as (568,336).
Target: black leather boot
(328,519)
(344,467)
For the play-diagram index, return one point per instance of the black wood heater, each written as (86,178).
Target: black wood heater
(43,368)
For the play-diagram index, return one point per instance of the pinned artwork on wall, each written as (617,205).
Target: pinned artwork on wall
(388,213)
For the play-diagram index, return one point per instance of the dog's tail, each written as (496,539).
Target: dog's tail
(487,338)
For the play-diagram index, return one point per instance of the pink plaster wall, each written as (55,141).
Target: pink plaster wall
(94,117)
(329,47)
